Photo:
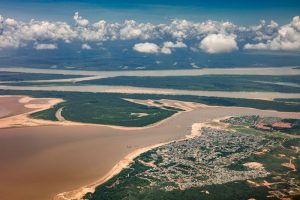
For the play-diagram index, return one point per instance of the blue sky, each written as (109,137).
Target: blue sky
(140,33)
(155,11)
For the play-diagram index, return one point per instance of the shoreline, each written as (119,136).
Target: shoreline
(79,193)
(25,120)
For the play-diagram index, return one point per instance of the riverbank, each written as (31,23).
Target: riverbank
(125,162)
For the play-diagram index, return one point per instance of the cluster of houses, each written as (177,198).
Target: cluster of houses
(203,160)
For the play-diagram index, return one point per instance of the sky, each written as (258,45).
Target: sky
(150,28)
(156,11)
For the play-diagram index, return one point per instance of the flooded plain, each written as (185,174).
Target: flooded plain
(90,75)
(142,90)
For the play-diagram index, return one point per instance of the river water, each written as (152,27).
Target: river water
(39,162)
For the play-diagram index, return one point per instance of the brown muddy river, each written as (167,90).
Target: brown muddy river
(38,162)
(178,72)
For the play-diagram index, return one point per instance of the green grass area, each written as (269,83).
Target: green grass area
(291,100)
(108,108)
(18,76)
(207,82)
(48,114)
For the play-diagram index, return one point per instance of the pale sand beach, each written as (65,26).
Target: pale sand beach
(20,107)
(9,106)
(42,161)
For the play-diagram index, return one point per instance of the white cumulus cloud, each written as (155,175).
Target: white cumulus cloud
(146,47)
(45,46)
(169,46)
(287,38)
(166,48)
(213,36)
(79,20)
(10,22)
(86,46)
(218,43)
